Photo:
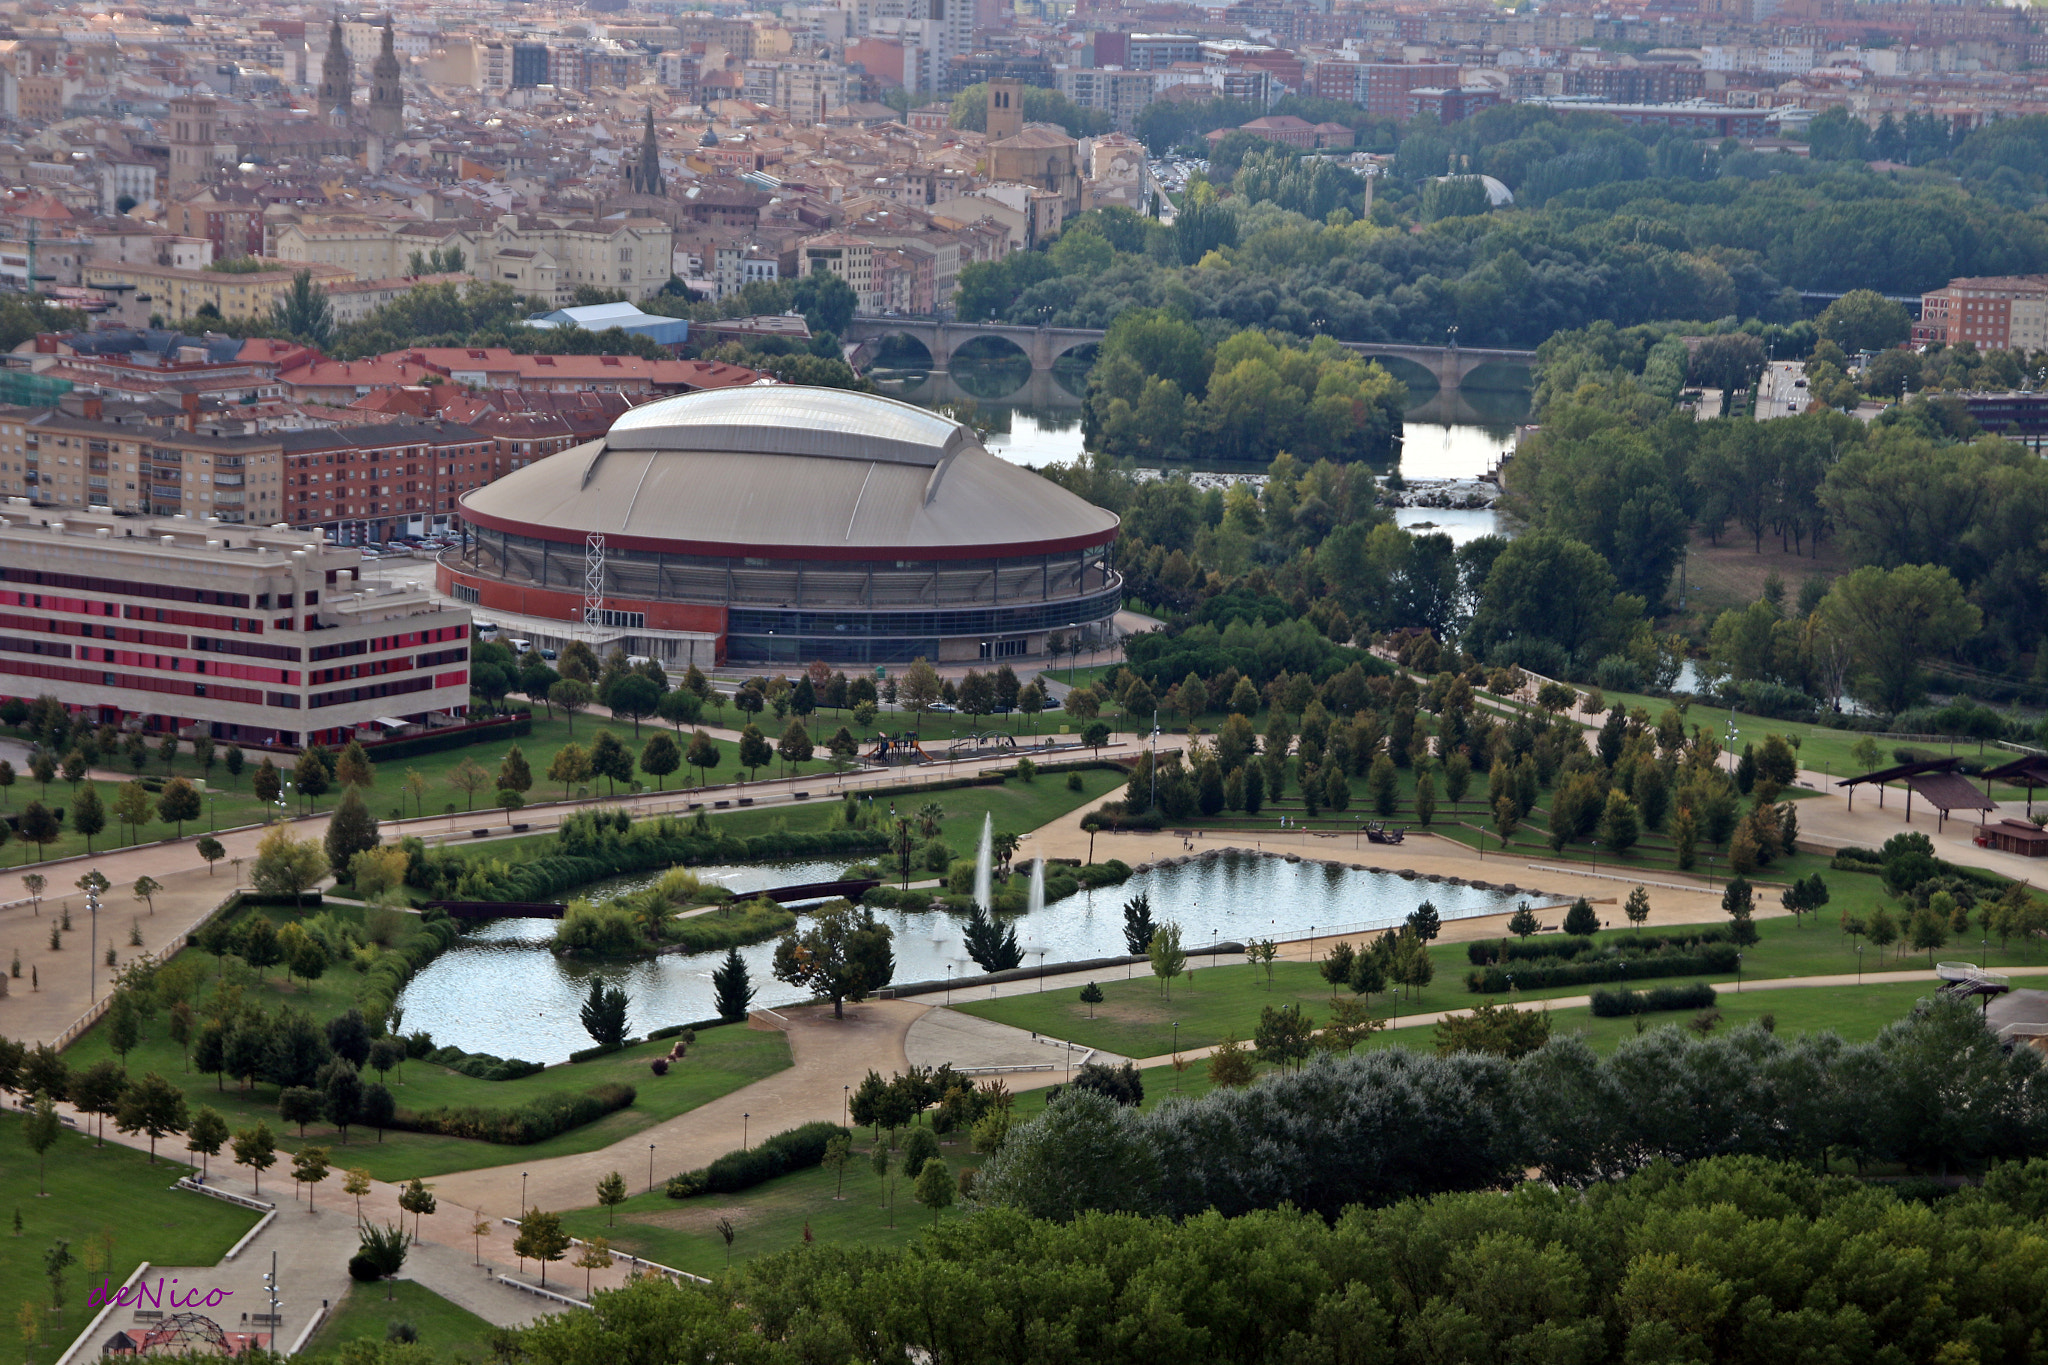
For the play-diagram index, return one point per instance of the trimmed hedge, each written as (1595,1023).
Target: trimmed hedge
(434,934)
(591,1054)
(1710,958)
(482,1065)
(252,898)
(670,1031)
(1487,952)
(798,1149)
(537,1120)
(1617,1004)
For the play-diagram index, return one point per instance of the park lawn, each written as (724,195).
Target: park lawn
(1223,1001)
(1016,806)
(366,1312)
(1821,749)
(91,1190)
(721,1061)
(771,1217)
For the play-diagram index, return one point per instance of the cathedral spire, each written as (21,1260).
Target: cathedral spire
(646,174)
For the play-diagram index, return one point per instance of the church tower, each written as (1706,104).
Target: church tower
(1005,109)
(645,177)
(337,77)
(387,90)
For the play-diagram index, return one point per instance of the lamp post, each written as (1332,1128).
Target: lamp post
(92,903)
(270,1289)
(650,1168)
(522,1192)
(845,1103)
(949,983)
(744,1118)
(1859,964)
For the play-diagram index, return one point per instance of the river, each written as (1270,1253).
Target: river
(1035,420)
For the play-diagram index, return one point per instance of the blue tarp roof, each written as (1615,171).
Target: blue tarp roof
(599,317)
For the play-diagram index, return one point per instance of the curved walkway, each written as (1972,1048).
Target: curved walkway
(827,1054)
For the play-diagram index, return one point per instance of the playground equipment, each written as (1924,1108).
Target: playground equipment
(1379,834)
(902,748)
(983,739)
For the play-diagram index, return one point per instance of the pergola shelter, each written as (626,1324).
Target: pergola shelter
(1935,779)
(2028,770)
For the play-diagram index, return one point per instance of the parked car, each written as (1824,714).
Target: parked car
(944,706)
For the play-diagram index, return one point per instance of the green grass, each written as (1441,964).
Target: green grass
(1136,1020)
(366,1312)
(721,1061)
(92,1190)
(774,1217)
(1821,749)
(1016,806)
(769,1218)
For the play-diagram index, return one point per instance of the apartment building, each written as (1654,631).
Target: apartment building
(548,257)
(1992,312)
(64,461)
(850,258)
(194,626)
(138,290)
(366,484)
(1121,94)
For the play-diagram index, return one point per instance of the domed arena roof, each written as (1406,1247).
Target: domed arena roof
(790,471)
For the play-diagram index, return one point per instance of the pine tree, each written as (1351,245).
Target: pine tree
(351,829)
(992,946)
(732,990)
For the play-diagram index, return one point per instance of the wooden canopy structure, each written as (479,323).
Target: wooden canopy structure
(1935,779)
(2023,837)
(2028,770)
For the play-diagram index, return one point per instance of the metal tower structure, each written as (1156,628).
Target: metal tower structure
(593,579)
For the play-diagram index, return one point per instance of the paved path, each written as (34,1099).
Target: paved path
(827,1054)
(969,1042)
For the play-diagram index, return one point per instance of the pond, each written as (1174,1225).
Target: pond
(501,991)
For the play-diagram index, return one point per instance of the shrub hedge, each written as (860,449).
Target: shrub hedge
(798,1149)
(537,1120)
(1487,952)
(1616,1004)
(1708,958)
(732,927)
(433,934)
(482,1065)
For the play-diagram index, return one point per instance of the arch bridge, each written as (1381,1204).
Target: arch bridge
(1450,366)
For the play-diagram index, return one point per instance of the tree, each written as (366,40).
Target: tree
(1619,825)
(267,785)
(1423,919)
(40,1132)
(1523,922)
(43,767)
(212,850)
(98,1090)
(286,865)
(1738,901)
(381,1253)
(145,890)
(298,1104)
(919,689)
(1494,1028)
(795,744)
(1929,930)
(635,698)
(1138,926)
(132,806)
(610,760)
(311,774)
(1091,996)
(1637,908)
(540,1238)
(352,768)
(341,1100)
(570,695)
(611,1192)
(356,1181)
(571,767)
(207,1134)
(1889,620)
(379,1108)
(754,750)
(154,1106)
(419,1201)
(843,955)
(350,830)
(88,814)
(993,947)
(39,826)
(604,1014)
(596,1255)
(660,756)
(256,1149)
(1231,1065)
(934,1187)
(309,1167)
(1547,587)
(1507,817)
(732,991)
(303,312)
(1285,1037)
(1168,958)
(124,1027)
(1581,919)
(1864,320)
(703,754)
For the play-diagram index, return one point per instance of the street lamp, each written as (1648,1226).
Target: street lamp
(1859,964)
(743,1130)
(650,1168)
(522,1192)
(92,903)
